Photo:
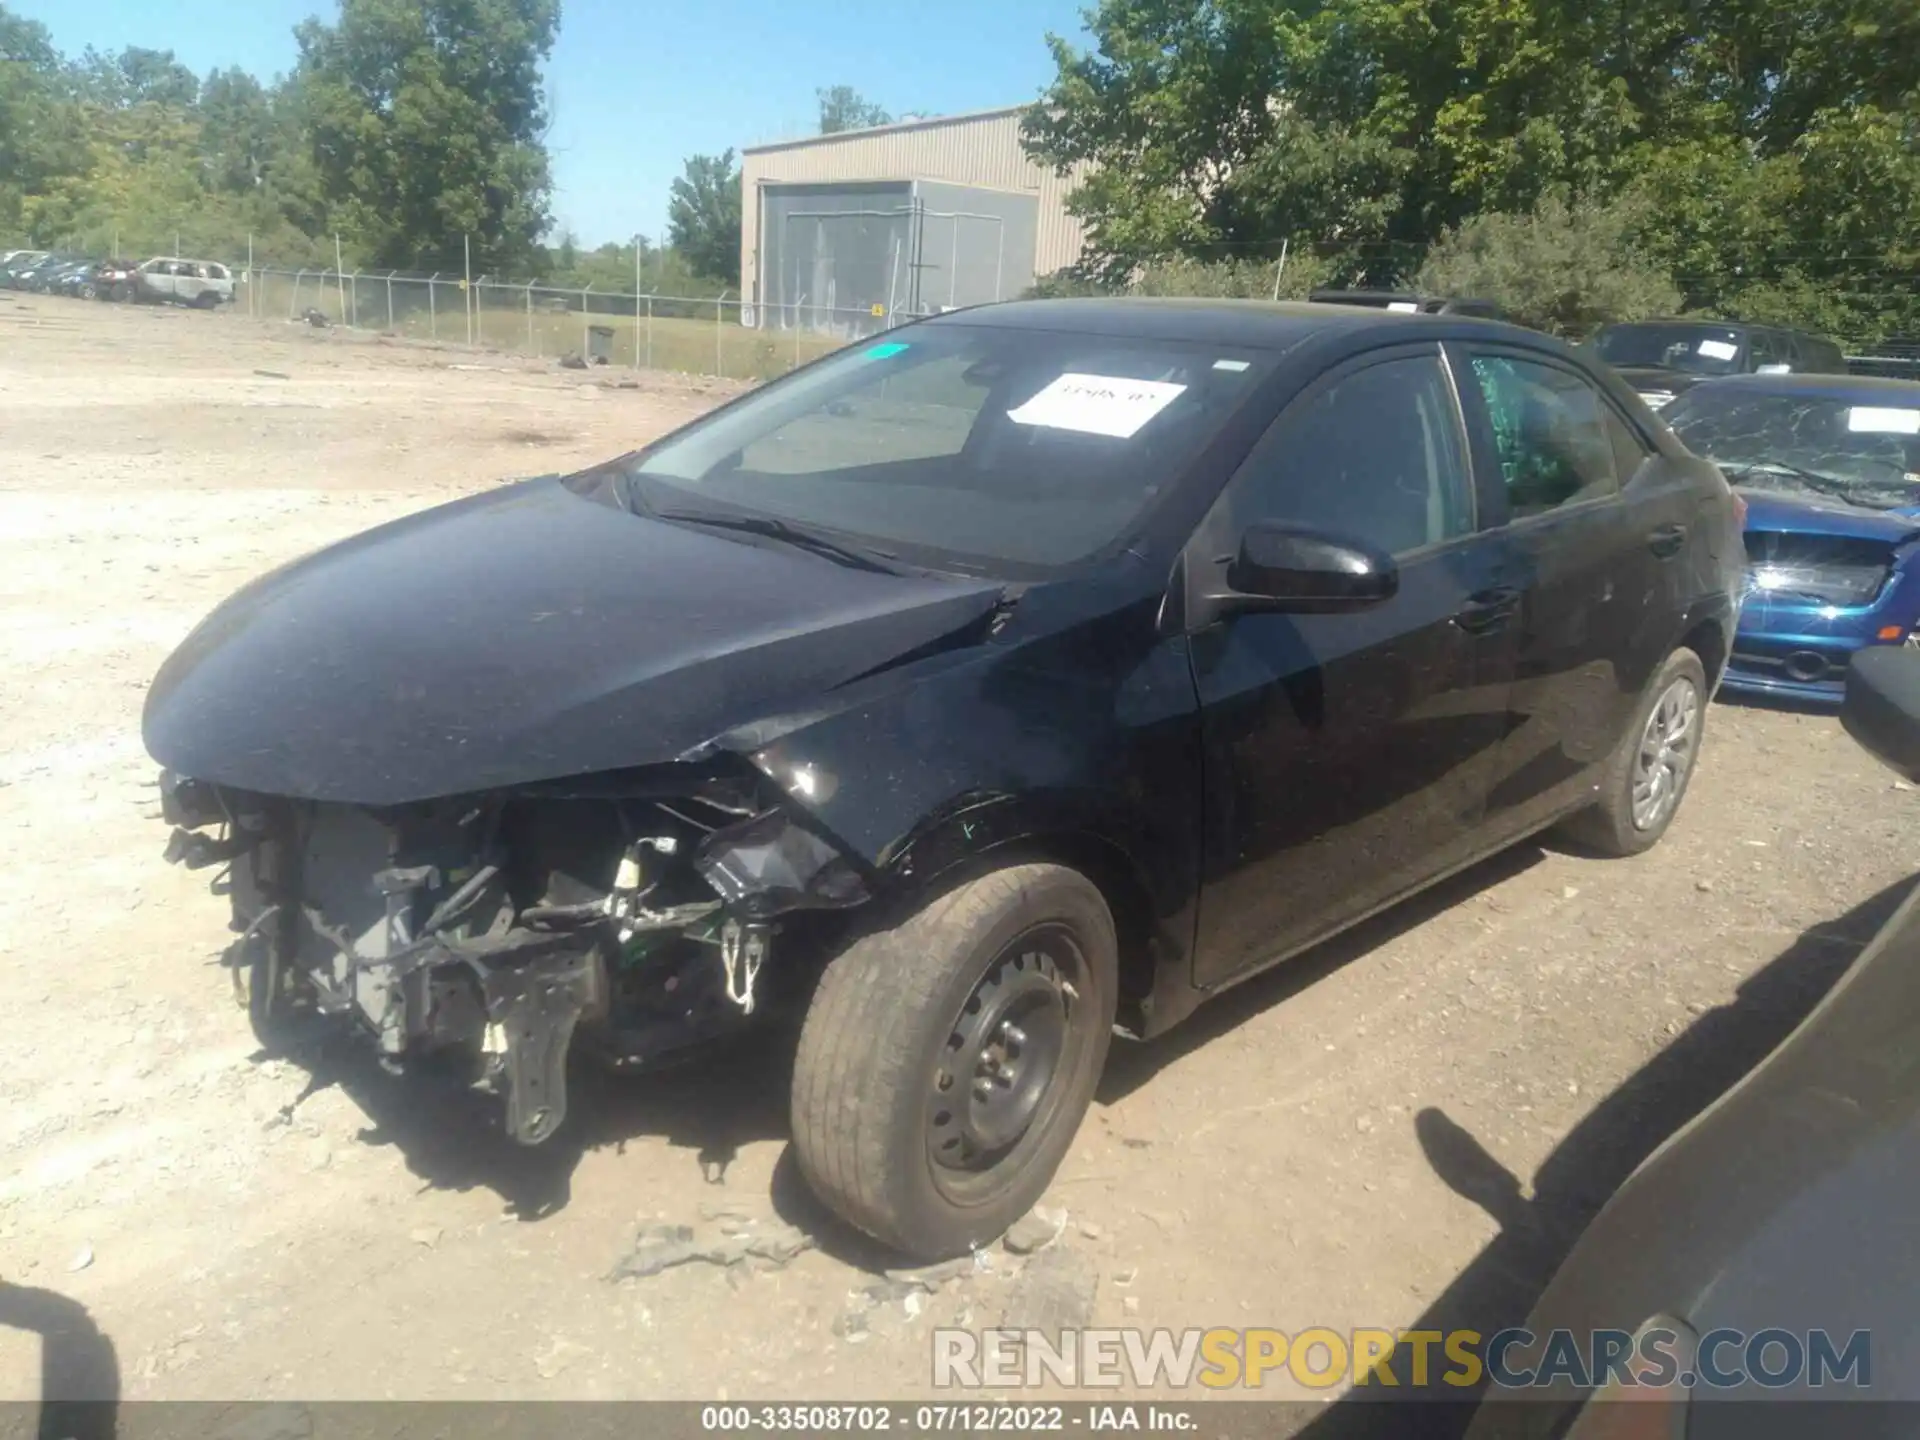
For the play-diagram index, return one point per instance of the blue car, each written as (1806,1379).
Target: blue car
(1829,468)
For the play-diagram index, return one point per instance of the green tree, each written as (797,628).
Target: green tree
(40,137)
(427,120)
(1211,126)
(703,217)
(132,151)
(1563,267)
(237,132)
(136,76)
(1768,145)
(843,108)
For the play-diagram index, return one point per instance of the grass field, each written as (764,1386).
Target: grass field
(693,340)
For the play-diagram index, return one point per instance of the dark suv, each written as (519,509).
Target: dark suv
(1033,670)
(1664,358)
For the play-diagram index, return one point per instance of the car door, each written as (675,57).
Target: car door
(1346,756)
(1590,525)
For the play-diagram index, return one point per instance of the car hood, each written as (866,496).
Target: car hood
(527,634)
(1811,515)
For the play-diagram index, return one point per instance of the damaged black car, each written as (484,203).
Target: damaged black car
(1023,676)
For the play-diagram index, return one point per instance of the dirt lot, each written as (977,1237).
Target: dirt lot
(1336,1144)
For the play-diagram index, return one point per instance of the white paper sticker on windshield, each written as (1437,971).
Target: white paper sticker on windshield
(1097,405)
(1404,307)
(1867,420)
(1719,349)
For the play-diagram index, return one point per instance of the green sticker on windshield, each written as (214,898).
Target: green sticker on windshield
(886,350)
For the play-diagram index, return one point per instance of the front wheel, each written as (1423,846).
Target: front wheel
(945,1064)
(1646,779)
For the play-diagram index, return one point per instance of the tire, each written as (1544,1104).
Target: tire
(1610,826)
(206,300)
(872,1130)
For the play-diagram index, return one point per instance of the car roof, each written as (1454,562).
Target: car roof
(1852,389)
(1255,324)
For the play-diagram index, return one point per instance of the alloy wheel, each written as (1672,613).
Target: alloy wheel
(1666,753)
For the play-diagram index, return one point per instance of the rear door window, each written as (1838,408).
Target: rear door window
(1552,434)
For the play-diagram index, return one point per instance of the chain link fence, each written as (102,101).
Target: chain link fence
(718,335)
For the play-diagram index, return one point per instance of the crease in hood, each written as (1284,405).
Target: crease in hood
(530,633)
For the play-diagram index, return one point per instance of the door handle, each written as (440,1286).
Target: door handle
(1667,540)
(1487,610)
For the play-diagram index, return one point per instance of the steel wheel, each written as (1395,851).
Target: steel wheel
(1003,1055)
(947,1061)
(1666,753)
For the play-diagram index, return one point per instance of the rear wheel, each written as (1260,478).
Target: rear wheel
(1647,777)
(945,1065)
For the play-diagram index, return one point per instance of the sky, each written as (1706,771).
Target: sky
(636,86)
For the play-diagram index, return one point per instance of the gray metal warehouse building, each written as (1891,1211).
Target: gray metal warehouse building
(849,233)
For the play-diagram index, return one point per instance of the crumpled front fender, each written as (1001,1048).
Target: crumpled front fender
(924,768)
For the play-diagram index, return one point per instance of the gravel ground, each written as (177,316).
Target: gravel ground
(1410,1122)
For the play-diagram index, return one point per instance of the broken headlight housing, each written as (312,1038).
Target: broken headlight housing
(1827,570)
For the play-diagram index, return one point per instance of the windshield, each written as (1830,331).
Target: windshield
(1692,349)
(1866,455)
(962,446)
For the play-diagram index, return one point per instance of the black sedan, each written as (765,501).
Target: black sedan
(1032,672)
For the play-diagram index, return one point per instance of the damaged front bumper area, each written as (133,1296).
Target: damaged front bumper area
(640,917)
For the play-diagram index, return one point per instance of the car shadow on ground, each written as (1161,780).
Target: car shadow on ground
(451,1135)
(79,1370)
(1129,1066)
(1499,1287)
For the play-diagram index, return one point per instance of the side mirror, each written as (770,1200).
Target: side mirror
(1882,708)
(1281,567)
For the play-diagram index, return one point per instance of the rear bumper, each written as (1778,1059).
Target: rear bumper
(1799,651)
